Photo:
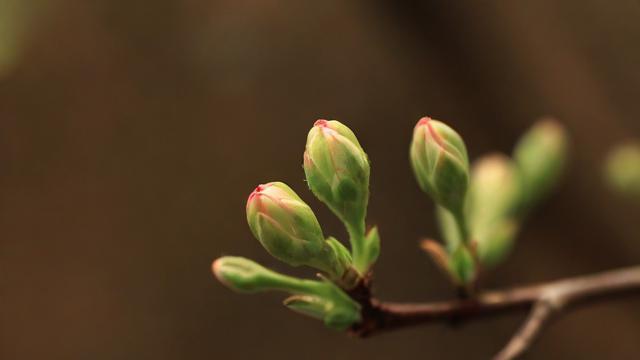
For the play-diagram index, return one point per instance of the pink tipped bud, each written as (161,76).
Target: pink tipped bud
(288,229)
(440,163)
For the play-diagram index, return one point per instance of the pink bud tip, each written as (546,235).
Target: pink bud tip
(216,269)
(321,123)
(424,121)
(256,192)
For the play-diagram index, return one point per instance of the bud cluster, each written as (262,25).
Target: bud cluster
(337,171)
(480,209)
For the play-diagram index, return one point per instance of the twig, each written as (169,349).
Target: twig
(522,340)
(544,300)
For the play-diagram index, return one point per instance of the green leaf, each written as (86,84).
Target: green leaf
(334,316)
(245,275)
(371,247)
(462,265)
(319,299)
(313,306)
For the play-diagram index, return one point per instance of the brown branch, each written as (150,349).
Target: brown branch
(522,340)
(548,298)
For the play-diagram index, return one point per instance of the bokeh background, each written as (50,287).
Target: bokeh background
(132,131)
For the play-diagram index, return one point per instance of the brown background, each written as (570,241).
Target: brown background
(132,131)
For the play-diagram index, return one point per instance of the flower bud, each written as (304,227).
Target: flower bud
(493,198)
(623,168)
(244,275)
(288,229)
(337,171)
(540,156)
(440,163)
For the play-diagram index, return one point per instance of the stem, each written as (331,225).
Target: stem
(461,221)
(293,285)
(522,340)
(465,235)
(356,238)
(379,317)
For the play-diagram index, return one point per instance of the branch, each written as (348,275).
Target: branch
(544,300)
(522,340)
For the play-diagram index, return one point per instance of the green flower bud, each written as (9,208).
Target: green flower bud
(440,163)
(493,198)
(337,170)
(319,299)
(540,156)
(623,168)
(288,229)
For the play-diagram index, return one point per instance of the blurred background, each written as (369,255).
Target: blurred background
(131,133)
